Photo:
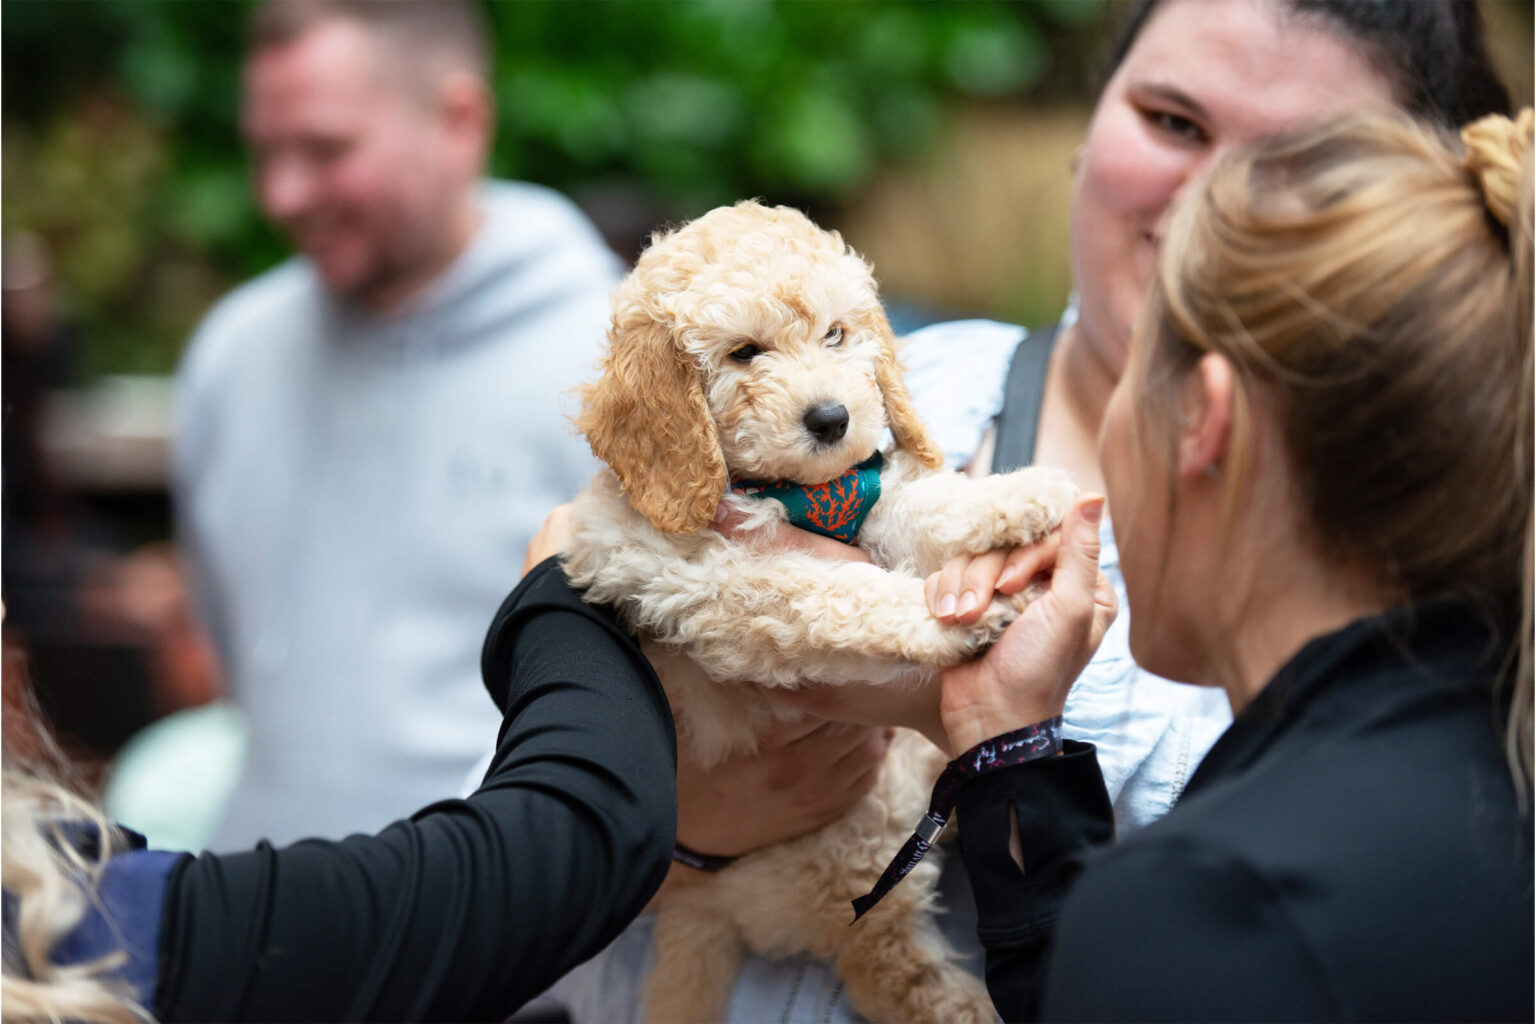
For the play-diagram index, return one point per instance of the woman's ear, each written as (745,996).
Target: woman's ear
(1206,417)
(647,418)
(900,413)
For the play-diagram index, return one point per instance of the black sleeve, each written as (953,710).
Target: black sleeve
(1063,814)
(472,906)
(1171,930)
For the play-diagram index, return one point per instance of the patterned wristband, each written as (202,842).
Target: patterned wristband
(1043,739)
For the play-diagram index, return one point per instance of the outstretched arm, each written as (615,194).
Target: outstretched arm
(472,906)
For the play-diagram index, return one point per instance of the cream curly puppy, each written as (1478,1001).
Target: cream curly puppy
(751,346)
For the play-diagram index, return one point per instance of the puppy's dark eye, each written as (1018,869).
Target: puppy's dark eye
(834,336)
(746,353)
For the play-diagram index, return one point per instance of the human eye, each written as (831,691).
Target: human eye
(1175,126)
(325,149)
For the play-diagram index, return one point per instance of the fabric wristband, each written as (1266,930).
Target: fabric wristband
(700,861)
(1043,739)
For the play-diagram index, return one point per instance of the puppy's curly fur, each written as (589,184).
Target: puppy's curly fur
(728,331)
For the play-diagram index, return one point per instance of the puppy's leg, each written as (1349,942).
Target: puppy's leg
(924,522)
(897,965)
(785,619)
(698,955)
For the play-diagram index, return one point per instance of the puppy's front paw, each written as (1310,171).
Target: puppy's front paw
(1036,500)
(1001,613)
(983,633)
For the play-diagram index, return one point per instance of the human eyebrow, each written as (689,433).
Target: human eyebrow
(1174,96)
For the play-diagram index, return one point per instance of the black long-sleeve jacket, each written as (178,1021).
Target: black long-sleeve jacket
(1352,848)
(472,906)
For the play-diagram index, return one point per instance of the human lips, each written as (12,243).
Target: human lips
(319,239)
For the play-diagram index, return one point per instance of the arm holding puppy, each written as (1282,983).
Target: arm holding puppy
(804,775)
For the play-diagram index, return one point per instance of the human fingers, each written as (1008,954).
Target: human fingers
(783,732)
(845,766)
(912,705)
(550,539)
(728,519)
(860,768)
(840,746)
(729,522)
(868,752)
(783,537)
(816,702)
(1106,606)
(978,582)
(1076,578)
(1027,561)
(1026,675)
(961,590)
(754,799)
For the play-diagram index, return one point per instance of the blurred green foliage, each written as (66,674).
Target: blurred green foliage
(121,146)
(713,100)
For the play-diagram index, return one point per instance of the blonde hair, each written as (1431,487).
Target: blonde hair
(1370,282)
(54,885)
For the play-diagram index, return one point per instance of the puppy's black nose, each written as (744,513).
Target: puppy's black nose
(827,422)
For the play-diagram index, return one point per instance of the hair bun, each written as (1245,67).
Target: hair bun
(1495,146)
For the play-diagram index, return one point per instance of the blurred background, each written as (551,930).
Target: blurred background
(935,135)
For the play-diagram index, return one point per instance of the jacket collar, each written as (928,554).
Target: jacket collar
(1366,670)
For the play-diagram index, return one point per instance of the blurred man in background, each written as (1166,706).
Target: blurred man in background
(368,435)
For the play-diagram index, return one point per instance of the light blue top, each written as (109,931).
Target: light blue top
(1150,733)
(355,494)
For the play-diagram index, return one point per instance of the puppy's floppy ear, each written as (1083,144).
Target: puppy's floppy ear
(646,417)
(906,428)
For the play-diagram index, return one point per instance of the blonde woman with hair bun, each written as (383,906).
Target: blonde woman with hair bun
(1320,458)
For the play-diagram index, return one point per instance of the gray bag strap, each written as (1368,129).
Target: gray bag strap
(1018,421)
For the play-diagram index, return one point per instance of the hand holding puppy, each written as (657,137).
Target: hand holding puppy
(1024,678)
(1027,673)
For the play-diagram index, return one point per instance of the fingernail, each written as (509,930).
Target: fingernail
(721,511)
(946,606)
(1093,509)
(968,600)
(1007,577)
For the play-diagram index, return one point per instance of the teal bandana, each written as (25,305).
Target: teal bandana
(835,509)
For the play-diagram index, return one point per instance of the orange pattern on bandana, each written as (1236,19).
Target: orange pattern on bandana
(835,508)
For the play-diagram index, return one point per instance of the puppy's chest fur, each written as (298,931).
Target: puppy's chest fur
(742,611)
(658,581)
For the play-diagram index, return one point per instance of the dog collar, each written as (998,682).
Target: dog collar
(700,861)
(836,508)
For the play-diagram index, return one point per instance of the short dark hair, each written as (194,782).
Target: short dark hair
(1431,51)
(455,28)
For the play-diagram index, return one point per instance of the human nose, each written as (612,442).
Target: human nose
(285,187)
